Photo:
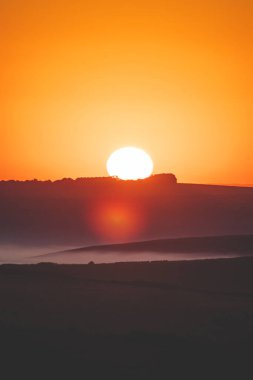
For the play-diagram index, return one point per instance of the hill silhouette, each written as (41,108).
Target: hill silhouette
(77,212)
(242,244)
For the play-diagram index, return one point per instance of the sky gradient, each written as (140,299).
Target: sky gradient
(80,79)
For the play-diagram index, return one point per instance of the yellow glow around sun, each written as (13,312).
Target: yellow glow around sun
(129,163)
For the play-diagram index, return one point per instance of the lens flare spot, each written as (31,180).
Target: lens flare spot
(116,221)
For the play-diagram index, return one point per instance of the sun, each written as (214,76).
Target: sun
(129,163)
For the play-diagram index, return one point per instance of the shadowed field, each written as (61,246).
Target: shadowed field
(128,320)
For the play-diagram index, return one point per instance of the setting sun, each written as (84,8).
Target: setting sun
(129,163)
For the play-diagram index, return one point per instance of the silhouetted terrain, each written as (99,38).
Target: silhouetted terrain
(193,248)
(104,210)
(128,320)
(241,244)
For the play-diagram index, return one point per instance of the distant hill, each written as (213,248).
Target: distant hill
(107,210)
(241,244)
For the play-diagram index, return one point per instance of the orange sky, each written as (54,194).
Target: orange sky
(80,79)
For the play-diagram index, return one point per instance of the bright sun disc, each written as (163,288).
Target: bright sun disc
(129,163)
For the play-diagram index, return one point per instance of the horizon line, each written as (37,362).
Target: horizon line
(120,180)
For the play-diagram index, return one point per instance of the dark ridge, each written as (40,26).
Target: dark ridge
(159,178)
(240,243)
(63,212)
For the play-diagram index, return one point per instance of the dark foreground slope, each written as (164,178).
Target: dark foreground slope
(128,321)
